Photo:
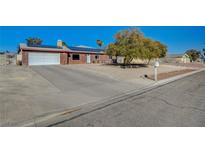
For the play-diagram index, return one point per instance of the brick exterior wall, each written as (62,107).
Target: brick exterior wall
(83,59)
(24,58)
(104,58)
(63,58)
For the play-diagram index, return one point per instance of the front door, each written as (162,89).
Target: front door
(88,58)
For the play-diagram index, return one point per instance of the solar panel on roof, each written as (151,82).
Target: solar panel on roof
(70,47)
(45,46)
(85,49)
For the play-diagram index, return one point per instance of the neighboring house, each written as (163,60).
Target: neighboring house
(2,58)
(185,58)
(7,58)
(177,58)
(120,60)
(201,59)
(52,55)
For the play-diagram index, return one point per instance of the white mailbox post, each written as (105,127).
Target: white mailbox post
(156,64)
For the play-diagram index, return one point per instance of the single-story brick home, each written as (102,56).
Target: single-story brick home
(60,54)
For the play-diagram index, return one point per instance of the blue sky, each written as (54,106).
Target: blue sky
(177,38)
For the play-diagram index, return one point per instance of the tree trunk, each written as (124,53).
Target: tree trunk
(148,61)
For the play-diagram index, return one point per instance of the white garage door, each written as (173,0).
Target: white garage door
(43,58)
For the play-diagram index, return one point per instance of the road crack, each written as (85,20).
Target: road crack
(178,106)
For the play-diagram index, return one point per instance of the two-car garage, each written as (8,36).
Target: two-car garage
(38,58)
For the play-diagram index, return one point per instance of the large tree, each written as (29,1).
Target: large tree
(34,41)
(113,50)
(131,44)
(203,52)
(193,54)
(127,44)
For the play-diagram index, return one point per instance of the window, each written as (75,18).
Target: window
(96,56)
(75,57)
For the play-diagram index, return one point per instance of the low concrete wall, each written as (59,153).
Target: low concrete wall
(3,59)
(7,59)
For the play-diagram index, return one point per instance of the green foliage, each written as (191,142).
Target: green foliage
(113,50)
(64,44)
(153,49)
(99,43)
(131,44)
(34,41)
(203,51)
(193,54)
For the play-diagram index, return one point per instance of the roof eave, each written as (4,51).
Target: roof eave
(44,49)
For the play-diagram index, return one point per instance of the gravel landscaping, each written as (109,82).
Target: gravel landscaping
(166,75)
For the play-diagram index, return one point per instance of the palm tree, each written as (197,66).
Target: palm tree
(34,41)
(99,43)
(64,44)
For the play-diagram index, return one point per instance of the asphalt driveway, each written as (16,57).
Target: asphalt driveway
(27,93)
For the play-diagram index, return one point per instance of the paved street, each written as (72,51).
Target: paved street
(180,103)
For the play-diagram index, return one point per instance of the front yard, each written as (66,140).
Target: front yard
(30,93)
(134,75)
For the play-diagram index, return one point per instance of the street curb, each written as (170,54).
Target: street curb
(64,116)
(179,76)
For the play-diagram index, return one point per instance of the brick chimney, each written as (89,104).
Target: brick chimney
(60,43)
